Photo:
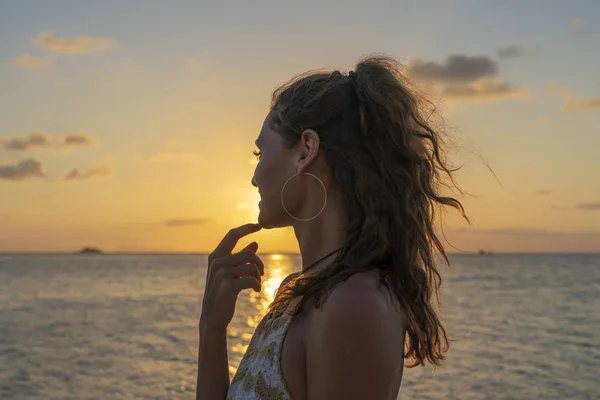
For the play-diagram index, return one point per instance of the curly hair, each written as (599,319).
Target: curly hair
(388,163)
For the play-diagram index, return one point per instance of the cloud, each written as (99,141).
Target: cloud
(26,169)
(80,44)
(45,196)
(24,143)
(466,78)
(99,171)
(456,68)
(76,139)
(588,206)
(582,105)
(27,61)
(484,90)
(578,28)
(572,101)
(186,222)
(580,206)
(49,141)
(543,192)
(515,51)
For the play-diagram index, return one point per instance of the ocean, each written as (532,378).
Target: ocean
(125,326)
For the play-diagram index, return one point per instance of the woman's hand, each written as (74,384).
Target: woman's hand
(227,275)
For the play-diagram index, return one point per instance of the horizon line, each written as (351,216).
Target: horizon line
(108,253)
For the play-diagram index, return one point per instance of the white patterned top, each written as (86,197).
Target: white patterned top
(259,375)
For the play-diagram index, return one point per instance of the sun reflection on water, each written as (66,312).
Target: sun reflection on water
(277,267)
(254,307)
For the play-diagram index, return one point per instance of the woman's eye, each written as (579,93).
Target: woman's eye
(257,154)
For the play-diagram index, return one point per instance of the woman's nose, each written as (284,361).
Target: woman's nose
(254,182)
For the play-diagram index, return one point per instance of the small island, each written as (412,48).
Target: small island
(90,250)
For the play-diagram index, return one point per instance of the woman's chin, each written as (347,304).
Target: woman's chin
(265,221)
(269,221)
(262,220)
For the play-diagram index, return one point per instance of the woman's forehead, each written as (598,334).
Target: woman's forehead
(267,134)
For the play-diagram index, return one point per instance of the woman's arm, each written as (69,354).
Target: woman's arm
(213,366)
(355,345)
(227,274)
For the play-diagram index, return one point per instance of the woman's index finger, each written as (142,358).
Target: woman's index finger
(232,237)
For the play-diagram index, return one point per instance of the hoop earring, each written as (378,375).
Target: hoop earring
(322,208)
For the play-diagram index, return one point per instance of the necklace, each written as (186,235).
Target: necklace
(319,260)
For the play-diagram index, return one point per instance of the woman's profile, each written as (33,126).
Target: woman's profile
(353,163)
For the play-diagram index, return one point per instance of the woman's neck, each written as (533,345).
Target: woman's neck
(322,235)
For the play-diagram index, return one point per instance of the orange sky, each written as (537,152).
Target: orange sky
(112,128)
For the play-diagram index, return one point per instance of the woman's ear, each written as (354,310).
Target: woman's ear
(308,148)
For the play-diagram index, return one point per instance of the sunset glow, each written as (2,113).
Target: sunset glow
(117,134)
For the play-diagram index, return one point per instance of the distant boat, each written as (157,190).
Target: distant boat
(483,252)
(90,250)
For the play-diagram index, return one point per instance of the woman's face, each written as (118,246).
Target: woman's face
(276,165)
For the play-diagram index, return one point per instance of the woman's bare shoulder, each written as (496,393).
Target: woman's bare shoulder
(355,336)
(360,295)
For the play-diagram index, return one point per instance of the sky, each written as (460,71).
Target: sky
(130,126)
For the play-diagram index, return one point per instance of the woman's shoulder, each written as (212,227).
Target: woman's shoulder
(363,288)
(361,293)
(357,314)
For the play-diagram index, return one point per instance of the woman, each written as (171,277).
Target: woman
(352,163)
